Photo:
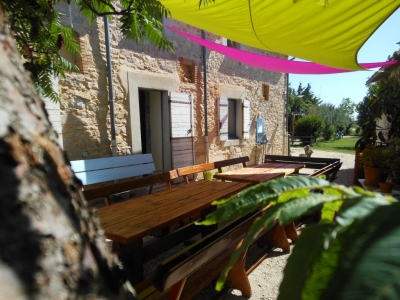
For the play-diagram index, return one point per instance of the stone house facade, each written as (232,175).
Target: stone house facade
(159,100)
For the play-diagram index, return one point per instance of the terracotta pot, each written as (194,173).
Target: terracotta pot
(373,176)
(386,187)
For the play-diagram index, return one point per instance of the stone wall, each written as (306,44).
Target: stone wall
(85,106)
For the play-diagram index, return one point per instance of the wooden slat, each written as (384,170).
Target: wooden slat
(110,174)
(134,219)
(111,162)
(229,162)
(128,185)
(260,173)
(169,214)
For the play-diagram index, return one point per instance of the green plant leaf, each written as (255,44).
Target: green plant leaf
(286,212)
(301,262)
(261,195)
(369,265)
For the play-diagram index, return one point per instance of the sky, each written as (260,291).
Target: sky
(333,88)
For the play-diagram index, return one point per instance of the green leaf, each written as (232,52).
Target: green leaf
(369,265)
(286,212)
(261,195)
(301,262)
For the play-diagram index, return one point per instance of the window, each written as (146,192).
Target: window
(232,119)
(265,91)
(232,44)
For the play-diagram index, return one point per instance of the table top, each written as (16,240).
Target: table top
(136,218)
(260,173)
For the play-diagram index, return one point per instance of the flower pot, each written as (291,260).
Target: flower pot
(386,187)
(373,176)
(208,176)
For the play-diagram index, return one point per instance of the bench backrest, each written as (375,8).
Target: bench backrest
(106,191)
(98,170)
(230,162)
(330,171)
(309,162)
(190,170)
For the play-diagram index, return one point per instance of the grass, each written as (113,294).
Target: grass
(343,145)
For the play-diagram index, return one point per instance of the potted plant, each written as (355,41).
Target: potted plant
(208,175)
(392,154)
(387,186)
(374,160)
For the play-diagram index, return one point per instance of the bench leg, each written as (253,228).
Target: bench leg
(132,259)
(276,237)
(237,277)
(176,289)
(291,232)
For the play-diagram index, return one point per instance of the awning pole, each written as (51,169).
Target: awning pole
(110,88)
(205,98)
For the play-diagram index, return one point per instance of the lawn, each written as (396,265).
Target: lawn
(343,145)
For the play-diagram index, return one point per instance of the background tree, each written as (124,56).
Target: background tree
(39,35)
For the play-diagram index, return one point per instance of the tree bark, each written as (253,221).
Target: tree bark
(51,245)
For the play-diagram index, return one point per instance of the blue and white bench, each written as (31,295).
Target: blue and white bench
(108,169)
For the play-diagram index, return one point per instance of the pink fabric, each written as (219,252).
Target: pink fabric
(271,63)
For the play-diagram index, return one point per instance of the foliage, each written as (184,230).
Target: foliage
(329,132)
(383,98)
(341,145)
(39,35)
(309,125)
(302,99)
(352,252)
(336,118)
(374,156)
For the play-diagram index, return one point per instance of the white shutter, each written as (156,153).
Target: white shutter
(182,130)
(246,119)
(223,118)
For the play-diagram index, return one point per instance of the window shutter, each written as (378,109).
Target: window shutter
(223,118)
(246,119)
(182,130)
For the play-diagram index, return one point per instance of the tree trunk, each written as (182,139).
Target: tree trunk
(51,245)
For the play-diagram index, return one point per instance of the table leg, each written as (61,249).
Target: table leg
(132,259)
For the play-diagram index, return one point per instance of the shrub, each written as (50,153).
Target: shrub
(329,132)
(309,125)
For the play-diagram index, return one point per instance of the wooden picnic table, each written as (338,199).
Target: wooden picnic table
(260,173)
(127,223)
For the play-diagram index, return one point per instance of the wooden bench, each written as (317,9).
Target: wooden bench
(107,190)
(190,170)
(101,170)
(330,171)
(190,270)
(309,162)
(325,166)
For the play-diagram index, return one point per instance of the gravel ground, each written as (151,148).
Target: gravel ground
(266,278)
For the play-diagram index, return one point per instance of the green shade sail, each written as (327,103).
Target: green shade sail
(304,29)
